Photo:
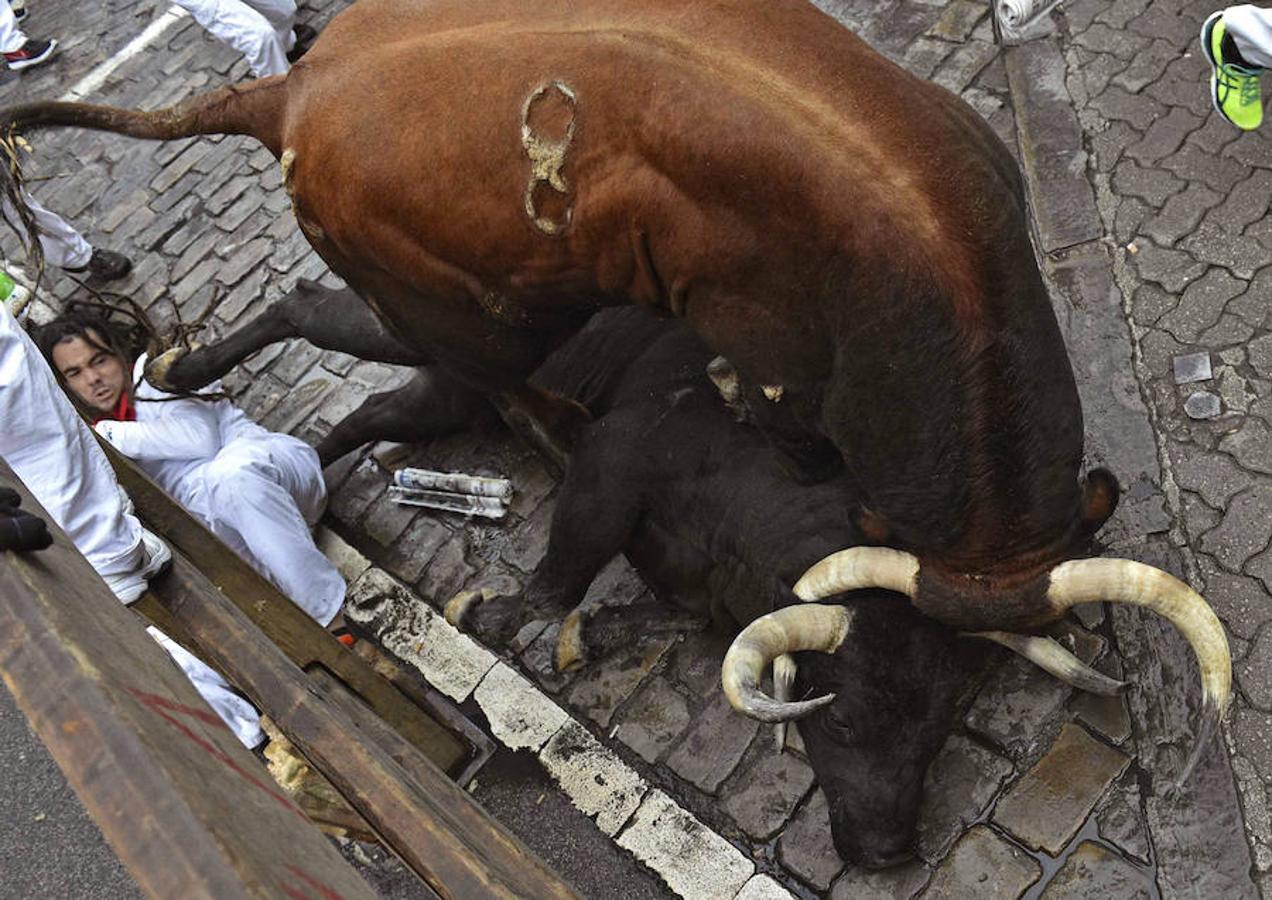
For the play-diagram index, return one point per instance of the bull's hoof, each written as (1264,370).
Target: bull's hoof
(459,609)
(158,368)
(571,652)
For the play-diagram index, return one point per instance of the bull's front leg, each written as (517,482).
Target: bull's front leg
(595,517)
(327,318)
(430,405)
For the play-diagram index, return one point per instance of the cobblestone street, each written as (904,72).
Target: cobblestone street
(1152,222)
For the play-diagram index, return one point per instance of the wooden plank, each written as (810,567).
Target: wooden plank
(189,811)
(431,823)
(304,641)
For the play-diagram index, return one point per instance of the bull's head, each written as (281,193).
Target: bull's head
(850,772)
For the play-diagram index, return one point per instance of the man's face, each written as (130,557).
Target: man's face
(98,377)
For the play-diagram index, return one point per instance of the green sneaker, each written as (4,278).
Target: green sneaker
(1235,89)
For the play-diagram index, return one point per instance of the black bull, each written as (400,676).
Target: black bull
(853,239)
(704,510)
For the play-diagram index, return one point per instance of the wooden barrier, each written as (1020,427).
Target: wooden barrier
(189,811)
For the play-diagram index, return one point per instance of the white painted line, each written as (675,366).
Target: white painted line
(597,782)
(451,662)
(693,860)
(96,78)
(349,562)
(520,715)
(763,887)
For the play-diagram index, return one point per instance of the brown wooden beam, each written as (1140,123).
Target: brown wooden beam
(189,811)
(304,641)
(431,823)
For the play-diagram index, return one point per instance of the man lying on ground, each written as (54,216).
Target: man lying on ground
(52,451)
(259,491)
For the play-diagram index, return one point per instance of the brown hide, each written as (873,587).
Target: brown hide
(485,172)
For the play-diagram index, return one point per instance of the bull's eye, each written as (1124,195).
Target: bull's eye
(839,724)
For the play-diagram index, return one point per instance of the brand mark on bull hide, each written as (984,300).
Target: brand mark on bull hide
(547,154)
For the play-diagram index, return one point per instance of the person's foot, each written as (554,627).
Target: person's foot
(305,37)
(32,53)
(1235,87)
(156,558)
(104,265)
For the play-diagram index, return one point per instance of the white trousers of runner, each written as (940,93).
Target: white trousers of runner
(262,495)
(63,245)
(11,36)
(50,448)
(1251,30)
(259,29)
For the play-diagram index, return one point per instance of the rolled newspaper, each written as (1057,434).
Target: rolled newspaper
(452,482)
(466,504)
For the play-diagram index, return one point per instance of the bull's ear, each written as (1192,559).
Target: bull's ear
(874,528)
(1100,493)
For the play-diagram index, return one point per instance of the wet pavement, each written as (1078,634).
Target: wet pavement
(1152,220)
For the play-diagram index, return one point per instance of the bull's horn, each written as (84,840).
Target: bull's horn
(787,630)
(1048,655)
(860,567)
(784,670)
(1125,581)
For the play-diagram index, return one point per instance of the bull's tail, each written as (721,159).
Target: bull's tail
(254,109)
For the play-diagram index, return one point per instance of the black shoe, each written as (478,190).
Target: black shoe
(305,37)
(32,53)
(105,265)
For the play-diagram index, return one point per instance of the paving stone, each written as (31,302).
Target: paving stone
(1048,805)
(1202,405)
(1242,255)
(896,883)
(806,847)
(1105,715)
(654,719)
(601,689)
(411,554)
(1194,164)
(1172,269)
(349,562)
(362,487)
(1254,673)
(1245,530)
(1016,707)
(1138,110)
(519,715)
(1120,818)
(984,866)
(1093,872)
(447,572)
(958,20)
(1146,67)
(763,797)
(961,784)
(714,746)
(1181,214)
(762,887)
(1246,204)
(242,260)
(1213,475)
(1251,445)
(924,55)
(963,65)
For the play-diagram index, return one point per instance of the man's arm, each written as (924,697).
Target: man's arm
(189,430)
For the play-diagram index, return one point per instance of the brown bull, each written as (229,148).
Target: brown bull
(853,239)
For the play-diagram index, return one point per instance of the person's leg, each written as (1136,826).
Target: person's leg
(244,29)
(237,713)
(260,495)
(51,449)
(1250,28)
(63,245)
(281,14)
(11,36)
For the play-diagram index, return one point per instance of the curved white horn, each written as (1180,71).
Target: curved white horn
(787,630)
(1048,655)
(1126,581)
(860,567)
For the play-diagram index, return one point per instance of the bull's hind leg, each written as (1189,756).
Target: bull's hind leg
(430,405)
(327,318)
